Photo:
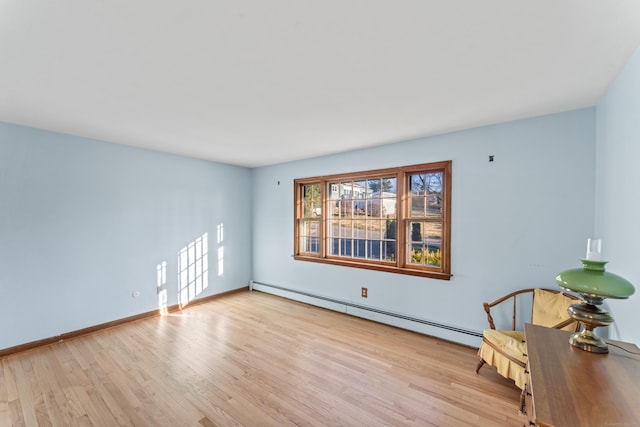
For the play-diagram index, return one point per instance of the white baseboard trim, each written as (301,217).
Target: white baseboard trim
(447,332)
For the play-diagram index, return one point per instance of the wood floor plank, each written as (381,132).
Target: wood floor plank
(253,359)
(4,397)
(52,398)
(21,369)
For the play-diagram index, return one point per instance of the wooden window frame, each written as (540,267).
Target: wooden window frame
(400,265)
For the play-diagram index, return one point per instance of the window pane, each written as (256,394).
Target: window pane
(359,248)
(359,189)
(374,228)
(425,243)
(389,229)
(334,190)
(416,232)
(434,183)
(389,243)
(333,247)
(426,195)
(336,228)
(434,206)
(345,228)
(388,206)
(346,190)
(309,236)
(333,199)
(333,228)
(310,244)
(359,229)
(345,247)
(373,249)
(433,243)
(345,208)
(381,197)
(359,206)
(389,251)
(417,206)
(415,254)
(311,228)
(434,198)
(389,197)
(417,184)
(311,202)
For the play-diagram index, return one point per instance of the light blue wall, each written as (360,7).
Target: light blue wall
(618,191)
(84,223)
(516,222)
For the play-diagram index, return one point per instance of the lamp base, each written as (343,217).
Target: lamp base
(588,341)
(591,317)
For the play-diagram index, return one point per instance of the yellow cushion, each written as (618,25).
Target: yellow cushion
(550,309)
(511,343)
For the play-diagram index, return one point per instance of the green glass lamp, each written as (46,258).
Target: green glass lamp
(594,284)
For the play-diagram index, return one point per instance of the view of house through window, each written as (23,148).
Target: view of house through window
(394,219)
(362,221)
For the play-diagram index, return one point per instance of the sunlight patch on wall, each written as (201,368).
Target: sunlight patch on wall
(161,282)
(220,250)
(193,269)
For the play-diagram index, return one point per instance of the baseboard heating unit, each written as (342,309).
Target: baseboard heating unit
(448,332)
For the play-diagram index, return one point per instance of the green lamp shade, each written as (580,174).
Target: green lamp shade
(592,279)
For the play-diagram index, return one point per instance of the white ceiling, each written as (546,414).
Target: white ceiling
(257,82)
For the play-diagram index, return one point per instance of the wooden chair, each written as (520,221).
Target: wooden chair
(505,349)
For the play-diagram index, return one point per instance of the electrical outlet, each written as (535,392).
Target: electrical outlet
(364,292)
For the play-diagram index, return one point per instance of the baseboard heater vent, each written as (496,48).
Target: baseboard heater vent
(370,309)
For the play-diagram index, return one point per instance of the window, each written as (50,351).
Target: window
(395,220)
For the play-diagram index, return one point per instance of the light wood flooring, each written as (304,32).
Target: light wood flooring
(253,359)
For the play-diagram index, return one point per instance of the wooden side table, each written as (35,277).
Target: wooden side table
(571,387)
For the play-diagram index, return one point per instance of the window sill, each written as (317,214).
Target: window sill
(378,267)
